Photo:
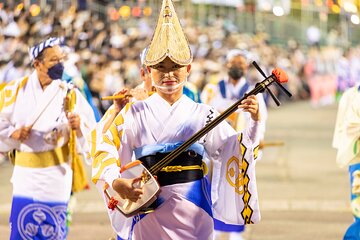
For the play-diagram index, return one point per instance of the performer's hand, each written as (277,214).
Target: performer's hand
(74,123)
(120,103)
(251,105)
(140,93)
(126,188)
(73,120)
(261,144)
(21,134)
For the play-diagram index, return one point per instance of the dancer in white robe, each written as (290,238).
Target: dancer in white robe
(33,124)
(233,87)
(222,95)
(154,127)
(346,141)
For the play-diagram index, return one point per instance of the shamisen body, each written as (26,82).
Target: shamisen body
(189,198)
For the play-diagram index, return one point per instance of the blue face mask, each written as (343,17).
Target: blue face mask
(56,71)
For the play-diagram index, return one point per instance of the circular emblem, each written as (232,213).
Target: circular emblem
(234,175)
(39,220)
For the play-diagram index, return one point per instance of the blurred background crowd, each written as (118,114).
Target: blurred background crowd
(315,42)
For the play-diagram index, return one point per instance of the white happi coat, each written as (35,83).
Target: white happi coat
(347,128)
(152,125)
(24,103)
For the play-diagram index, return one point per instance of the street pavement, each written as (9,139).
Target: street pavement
(303,194)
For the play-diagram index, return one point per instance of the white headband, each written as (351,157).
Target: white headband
(236,52)
(35,51)
(143,55)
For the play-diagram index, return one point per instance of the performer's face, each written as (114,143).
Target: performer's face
(51,59)
(52,56)
(168,74)
(237,67)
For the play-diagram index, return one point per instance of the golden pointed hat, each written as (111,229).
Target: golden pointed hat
(169,39)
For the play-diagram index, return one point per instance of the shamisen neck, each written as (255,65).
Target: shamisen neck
(175,153)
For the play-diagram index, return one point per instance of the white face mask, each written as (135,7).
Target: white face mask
(169,89)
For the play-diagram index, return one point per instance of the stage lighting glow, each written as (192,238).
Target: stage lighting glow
(355,19)
(34,10)
(335,8)
(125,11)
(278,11)
(147,11)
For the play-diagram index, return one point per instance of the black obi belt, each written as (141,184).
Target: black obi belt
(187,167)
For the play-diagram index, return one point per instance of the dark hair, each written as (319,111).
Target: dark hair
(41,56)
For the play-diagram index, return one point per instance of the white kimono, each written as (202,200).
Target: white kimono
(222,97)
(40,194)
(347,128)
(187,209)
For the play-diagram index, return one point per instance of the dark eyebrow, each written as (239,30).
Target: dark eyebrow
(175,66)
(157,66)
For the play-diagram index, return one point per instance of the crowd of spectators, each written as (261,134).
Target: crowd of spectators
(105,53)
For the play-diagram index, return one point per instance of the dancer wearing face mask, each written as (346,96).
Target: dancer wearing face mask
(141,92)
(35,125)
(220,96)
(232,88)
(169,82)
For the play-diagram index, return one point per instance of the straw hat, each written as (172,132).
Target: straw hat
(169,39)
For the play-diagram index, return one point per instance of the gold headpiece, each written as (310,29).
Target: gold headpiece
(169,39)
